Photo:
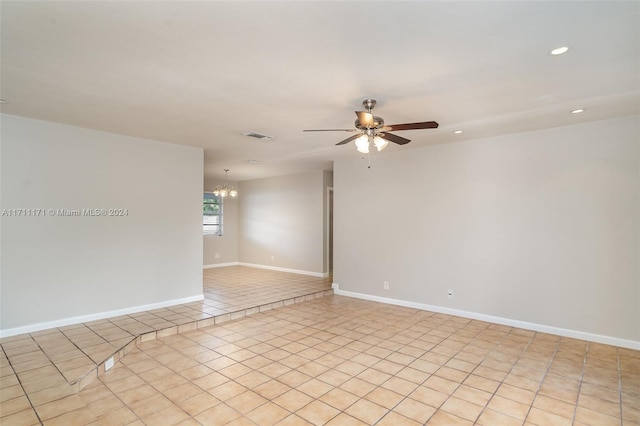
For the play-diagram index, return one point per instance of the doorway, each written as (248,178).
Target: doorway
(329,253)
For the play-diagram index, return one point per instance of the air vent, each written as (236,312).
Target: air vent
(258,136)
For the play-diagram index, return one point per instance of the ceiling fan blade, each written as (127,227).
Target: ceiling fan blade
(331,130)
(365,118)
(394,138)
(413,126)
(349,139)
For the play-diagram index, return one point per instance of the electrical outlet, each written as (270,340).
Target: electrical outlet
(108,364)
(450,293)
(217,256)
(385,285)
(273,258)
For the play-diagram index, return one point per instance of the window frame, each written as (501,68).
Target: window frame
(220,215)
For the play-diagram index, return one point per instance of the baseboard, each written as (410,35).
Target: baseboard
(293,271)
(597,338)
(93,317)
(273,268)
(219,265)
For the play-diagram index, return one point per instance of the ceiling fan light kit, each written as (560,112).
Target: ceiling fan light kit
(372,130)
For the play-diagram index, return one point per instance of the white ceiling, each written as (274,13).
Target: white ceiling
(204,73)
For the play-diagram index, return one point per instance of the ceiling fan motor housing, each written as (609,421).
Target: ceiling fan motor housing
(377,124)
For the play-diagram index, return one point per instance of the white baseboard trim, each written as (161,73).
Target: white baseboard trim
(581,335)
(276,268)
(219,265)
(93,317)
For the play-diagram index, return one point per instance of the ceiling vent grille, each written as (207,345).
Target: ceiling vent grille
(258,136)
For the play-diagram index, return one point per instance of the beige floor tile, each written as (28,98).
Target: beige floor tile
(591,417)
(367,411)
(493,418)
(294,420)
(357,386)
(300,363)
(415,410)
(271,389)
(79,417)
(13,406)
(182,392)
(293,378)
(198,403)
(148,406)
(317,412)
(219,415)
(343,419)
(171,415)
(508,407)
(446,419)
(246,402)
(227,391)
(139,393)
(61,406)
(440,384)
(339,399)
(315,388)
(104,405)
(395,419)
(472,395)
(268,414)
(26,417)
(384,397)
(482,383)
(10,392)
(293,400)
(462,408)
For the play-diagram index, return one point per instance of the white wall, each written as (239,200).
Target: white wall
(283,217)
(225,245)
(540,227)
(54,268)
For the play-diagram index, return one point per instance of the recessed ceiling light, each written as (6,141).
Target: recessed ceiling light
(457,132)
(577,111)
(559,50)
(255,161)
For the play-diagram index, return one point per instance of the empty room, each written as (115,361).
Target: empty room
(320,213)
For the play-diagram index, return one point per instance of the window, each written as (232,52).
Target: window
(212,214)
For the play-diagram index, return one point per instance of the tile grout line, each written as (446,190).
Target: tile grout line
(546,371)
(531,338)
(20,381)
(471,372)
(584,367)
(620,385)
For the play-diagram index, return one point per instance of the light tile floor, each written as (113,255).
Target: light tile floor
(40,367)
(332,360)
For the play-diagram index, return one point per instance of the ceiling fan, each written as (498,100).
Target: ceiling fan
(372,130)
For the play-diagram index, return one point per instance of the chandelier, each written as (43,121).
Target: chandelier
(224,190)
